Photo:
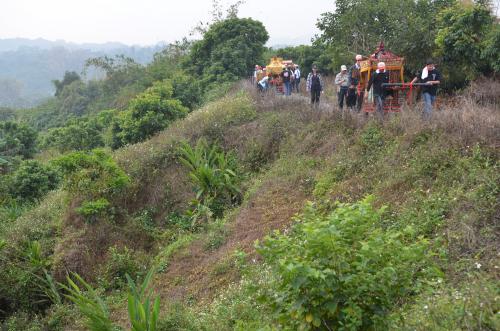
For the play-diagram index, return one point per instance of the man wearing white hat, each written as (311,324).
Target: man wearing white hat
(355,94)
(342,82)
(379,77)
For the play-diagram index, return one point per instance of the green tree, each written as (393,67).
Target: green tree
(229,50)
(17,140)
(32,180)
(168,61)
(120,71)
(82,135)
(407,27)
(462,42)
(491,48)
(187,90)
(148,113)
(69,77)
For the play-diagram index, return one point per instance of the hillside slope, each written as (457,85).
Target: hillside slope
(439,180)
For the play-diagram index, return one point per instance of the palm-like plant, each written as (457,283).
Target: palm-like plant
(89,303)
(213,173)
(143,316)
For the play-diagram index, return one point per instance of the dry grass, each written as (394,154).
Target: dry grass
(459,117)
(485,91)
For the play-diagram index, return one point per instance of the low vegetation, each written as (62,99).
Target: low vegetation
(172,197)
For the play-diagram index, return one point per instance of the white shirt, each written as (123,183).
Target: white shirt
(263,81)
(297,73)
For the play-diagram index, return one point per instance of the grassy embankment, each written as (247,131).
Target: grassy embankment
(438,179)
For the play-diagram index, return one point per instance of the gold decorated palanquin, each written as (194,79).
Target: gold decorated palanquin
(394,65)
(274,70)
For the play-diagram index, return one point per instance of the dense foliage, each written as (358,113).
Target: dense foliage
(406,27)
(32,180)
(461,35)
(17,140)
(148,113)
(228,51)
(342,271)
(418,253)
(93,178)
(465,38)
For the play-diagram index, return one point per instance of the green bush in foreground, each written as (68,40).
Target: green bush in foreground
(342,271)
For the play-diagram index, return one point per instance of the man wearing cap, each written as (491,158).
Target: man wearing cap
(379,77)
(342,82)
(355,93)
(432,77)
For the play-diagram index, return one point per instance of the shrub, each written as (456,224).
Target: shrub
(92,174)
(17,140)
(342,270)
(82,135)
(32,180)
(213,173)
(121,261)
(149,113)
(91,210)
(93,178)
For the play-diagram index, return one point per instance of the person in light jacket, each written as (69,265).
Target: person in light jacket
(342,82)
(297,78)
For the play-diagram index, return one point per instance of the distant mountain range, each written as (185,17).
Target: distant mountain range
(28,66)
(13,44)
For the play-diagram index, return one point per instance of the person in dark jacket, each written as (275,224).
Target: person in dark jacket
(432,77)
(379,92)
(286,76)
(315,86)
(355,94)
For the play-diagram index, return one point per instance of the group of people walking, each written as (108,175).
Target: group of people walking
(350,91)
(290,77)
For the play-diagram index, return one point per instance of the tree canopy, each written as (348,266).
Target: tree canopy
(229,50)
(407,27)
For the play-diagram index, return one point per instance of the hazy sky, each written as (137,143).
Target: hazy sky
(149,21)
